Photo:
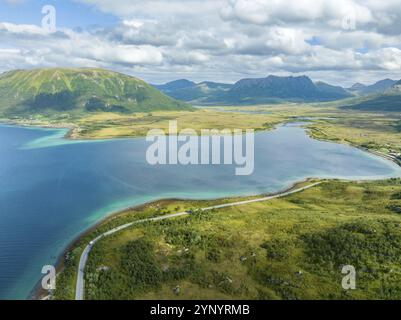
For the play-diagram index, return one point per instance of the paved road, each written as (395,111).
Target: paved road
(80,287)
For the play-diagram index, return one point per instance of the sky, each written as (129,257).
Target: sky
(337,41)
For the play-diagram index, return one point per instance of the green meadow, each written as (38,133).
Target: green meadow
(287,248)
(375,131)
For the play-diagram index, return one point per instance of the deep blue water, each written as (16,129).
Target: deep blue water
(51,190)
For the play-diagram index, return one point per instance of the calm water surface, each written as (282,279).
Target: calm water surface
(51,190)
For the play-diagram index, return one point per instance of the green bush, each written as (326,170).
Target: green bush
(139,261)
(277,249)
(363,244)
(183,237)
(394,208)
(396,196)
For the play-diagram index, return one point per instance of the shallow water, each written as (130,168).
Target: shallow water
(51,189)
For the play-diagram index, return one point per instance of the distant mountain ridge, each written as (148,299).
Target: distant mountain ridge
(203,92)
(357,86)
(70,90)
(388,100)
(255,90)
(286,88)
(377,87)
(175,85)
(333,92)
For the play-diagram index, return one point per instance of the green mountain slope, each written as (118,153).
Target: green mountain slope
(284,88)
(331,92)
(78,90)
(390,101)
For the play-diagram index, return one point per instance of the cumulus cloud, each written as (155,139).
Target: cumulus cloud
(222,40)
(127,8)
(37,47)
(276,11)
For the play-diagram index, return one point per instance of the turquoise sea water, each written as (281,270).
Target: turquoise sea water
(52,189)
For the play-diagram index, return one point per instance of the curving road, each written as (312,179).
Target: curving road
(80,286)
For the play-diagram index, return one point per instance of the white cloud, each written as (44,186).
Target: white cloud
(193,57)
(73,48)
(222,40)
(385,58)
(22,29)
(273,11)
(127,8)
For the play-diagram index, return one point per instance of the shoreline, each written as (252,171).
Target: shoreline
(309,132)
(38,293)
(27,124)
(71,127)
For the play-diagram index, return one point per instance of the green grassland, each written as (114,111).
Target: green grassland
(102,125)
(389,101)
(287,248)
(379,132)
(375,131)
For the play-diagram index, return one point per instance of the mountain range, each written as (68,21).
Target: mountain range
(83,90)
(79,90)
(377,87)
(384,95)
(284,88)
(387,101)
(253,91)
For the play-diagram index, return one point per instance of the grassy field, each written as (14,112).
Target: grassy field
(102,126)
(105,125)
(288,248)
(115,125)
(374,131)
(380,132)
